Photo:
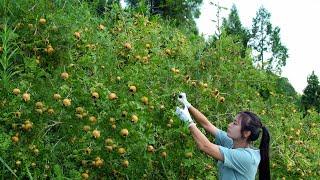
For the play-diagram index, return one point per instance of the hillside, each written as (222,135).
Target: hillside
(87,95)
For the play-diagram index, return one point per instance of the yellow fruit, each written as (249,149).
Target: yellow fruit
(125,163)
(79,110)
(109,148)
(221,99)
(145,100)
(1,49)
(86,128)
(95,95)
(133,89)
(64,75)
(39,105)
(56,96)
(85,175)
(96,134)
(98,162)
(168,51)
(188,154)
(67,102)
(108,141)
(18,163)
(77,35)
(16,91)
(148,46)
(36,151)
(118,78)
(101,27)
(42,21)
(112,120)
(49,49)
(150,148)
(134,118)
(93,119)
(26,97)
(112,96)
(113,126)
(215,92)
(124,132)
(164,154)
(17,114)
(15,139)
(121,151)
(128,46)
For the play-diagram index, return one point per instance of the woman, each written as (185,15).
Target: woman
(236,159)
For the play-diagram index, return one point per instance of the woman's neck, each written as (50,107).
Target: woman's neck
(240,144)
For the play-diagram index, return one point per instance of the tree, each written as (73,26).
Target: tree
(233,26)
(311,94)
(180,10)
(265,42)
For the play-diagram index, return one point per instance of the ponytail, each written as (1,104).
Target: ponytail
(264,166)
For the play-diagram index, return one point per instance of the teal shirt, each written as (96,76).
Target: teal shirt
(239,163)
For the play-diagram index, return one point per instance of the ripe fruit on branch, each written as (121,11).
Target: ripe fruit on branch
(26,97)
(133,89)
(42,21)
(95,95)
(67,102)
(77,34)
(144,99)
(64,75)
(56,96)
(96,134)
(124,132)
(112,96)
(16,91)
(128,46)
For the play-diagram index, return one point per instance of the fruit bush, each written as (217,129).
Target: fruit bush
(88,96)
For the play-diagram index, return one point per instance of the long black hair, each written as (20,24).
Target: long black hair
(251,122)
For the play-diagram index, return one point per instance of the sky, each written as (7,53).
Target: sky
(299,24)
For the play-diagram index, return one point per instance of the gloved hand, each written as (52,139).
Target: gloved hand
(182,98)
(184,115)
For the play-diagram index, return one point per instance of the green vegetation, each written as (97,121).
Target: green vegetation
(85,95)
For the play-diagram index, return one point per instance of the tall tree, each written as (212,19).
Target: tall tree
(265,42)
(233,26)
(311,94)
(181,10)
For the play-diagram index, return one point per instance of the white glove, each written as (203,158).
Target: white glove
(182,98)
(184,115)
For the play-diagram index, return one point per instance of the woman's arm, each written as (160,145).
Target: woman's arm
(204,144)
(201,119)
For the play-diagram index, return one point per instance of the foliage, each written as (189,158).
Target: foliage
(268,51)
(82,58)
(311,94)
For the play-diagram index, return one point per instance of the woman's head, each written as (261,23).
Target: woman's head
(247,126)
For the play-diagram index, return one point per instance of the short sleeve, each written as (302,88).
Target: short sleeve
(239,160)
(223,140)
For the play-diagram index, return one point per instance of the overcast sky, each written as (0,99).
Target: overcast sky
(299,24)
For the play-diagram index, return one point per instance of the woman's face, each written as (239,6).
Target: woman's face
(234,129)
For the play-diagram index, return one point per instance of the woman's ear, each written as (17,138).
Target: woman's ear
(246,134)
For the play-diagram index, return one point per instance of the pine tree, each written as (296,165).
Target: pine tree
(265,42)
(233,26)
(311,94)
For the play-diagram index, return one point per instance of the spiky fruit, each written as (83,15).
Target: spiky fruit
(150,148)
(112,96)
(164,154)
(121,151)
(96,134)
(145,100)
(77,35)
(67,102)
(128,46)
(26,97)
(134,118)
(42,21)
(124,132)
(125,163)
(64,75)
(16,91)
(133,89)
(95,95)
(101,27)
(56,96)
